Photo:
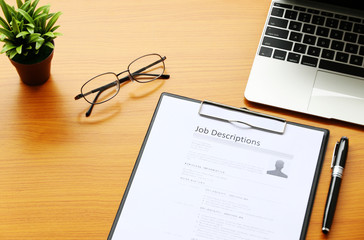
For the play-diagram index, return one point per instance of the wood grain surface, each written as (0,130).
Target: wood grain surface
(62,175)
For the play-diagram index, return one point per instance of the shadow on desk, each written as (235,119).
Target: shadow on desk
(39,112)
(280,112)
(108,110)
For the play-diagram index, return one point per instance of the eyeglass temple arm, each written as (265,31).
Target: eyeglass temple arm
(88,113)
(163,76)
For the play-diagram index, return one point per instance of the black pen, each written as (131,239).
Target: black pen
(337,165)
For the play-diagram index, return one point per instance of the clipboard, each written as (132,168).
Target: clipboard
(211,171)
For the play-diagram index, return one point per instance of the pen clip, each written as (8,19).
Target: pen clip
(334,154)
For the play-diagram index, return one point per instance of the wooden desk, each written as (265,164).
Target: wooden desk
(62,175)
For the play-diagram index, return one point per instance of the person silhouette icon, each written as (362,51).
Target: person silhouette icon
(278,171)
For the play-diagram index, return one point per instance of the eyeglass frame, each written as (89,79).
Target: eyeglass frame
(119,81)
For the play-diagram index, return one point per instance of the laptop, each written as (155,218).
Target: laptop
(311,59)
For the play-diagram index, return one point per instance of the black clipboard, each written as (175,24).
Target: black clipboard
(278,129)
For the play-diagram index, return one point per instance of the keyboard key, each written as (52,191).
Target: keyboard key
(314,11)
(346,26)
(308,28)
(356,60)
(277,22)
(332,23)
(314,51)
(323,42)
(296,26)
(293,57)
(277,32)
(318,20)
(322,31)
(342,68)
(309,61)
(283,5)
(351,37)
(328,54)
(354,19)
(342,17)
(300,48)
(327,14)
(304,17)
(361,39)
(291,14)
(351,48)
(277,12)
(298,8)
(336,34)
(279,54)
(266,52)
(337,45)
(342,57)
(277,43)
(309,39)
(295,36)
(361,52)
(359,28)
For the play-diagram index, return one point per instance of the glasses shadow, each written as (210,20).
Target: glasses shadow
(145,89)
(108,110)
(101,113)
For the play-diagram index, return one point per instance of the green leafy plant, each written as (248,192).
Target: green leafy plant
(27,31)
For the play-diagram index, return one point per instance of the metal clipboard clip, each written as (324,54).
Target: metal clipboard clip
(244,116)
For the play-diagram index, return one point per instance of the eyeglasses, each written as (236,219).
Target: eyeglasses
(106,86)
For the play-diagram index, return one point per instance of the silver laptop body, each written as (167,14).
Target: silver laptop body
(310,59)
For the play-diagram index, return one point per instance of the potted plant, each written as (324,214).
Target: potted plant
(28,33)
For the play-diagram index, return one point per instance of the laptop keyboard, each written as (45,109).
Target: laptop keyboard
(315,38)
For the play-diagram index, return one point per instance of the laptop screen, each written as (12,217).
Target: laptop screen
(356,4)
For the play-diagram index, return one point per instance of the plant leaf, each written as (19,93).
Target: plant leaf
(22,34)
(30,30)
(40,16)
(12,11)
(15,26)
(4,24)
(49,34)
(30,25)
(7,47)
(49,44)
(19,3)
(38,44)
(12,53)
(35,3)
(44,9)
(25,6)
(54,28)
(7,33)
(6,12)
(26,16)
(52,21)
(33,37)
(57,34)
(19,49)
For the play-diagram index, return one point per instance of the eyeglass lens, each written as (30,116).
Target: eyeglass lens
(101,88)
(147,68)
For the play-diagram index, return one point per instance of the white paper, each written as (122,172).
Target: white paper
(203,179)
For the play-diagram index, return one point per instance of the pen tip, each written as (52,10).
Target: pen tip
(325,230)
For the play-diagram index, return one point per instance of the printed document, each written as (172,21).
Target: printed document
(203,179)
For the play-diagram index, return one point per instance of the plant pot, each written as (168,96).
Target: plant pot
(34,74)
